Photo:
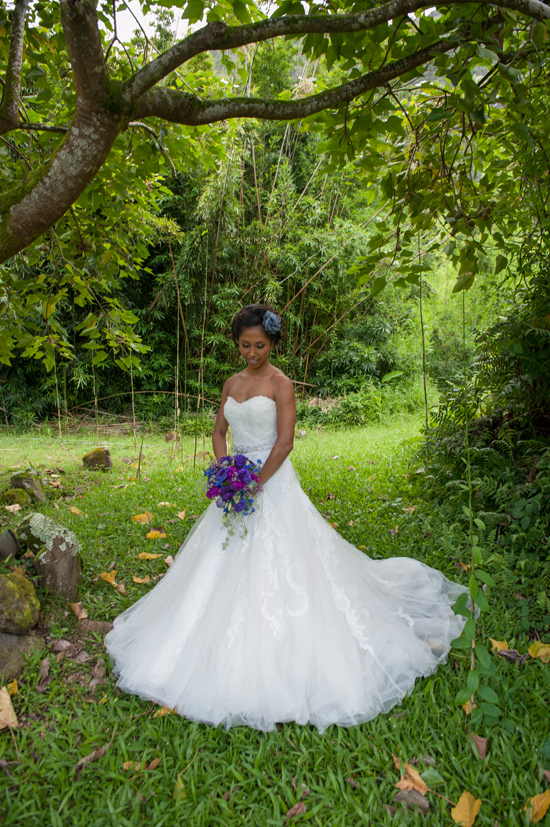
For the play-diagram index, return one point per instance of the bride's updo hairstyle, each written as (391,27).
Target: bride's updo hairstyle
(258,315)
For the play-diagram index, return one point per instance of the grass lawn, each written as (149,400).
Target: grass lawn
(362,481)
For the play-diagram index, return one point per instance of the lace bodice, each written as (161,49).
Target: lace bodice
(253,422)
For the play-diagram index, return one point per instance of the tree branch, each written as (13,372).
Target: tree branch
(218,35)
(80,27)
(9,108)
(42,127)
(179,107)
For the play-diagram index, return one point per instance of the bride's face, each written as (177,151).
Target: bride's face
(255,346)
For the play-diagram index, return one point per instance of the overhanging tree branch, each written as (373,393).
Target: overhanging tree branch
(9,108)
(218,35)
(179,107)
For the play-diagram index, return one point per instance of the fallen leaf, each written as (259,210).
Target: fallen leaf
(13,508)
(394,530)
(512,655)
(8,718)
(169,560)
(546,776)
(131,765)
(154,763)
(353,783)
(155,535)
(498,645)
(93,756)
(468,707)
(181,514)
(413,800)
(60,645)
(166,505)
(144,518)
(141,579)
(164,710)
(540,650)
(411,780)
(109,577)
(12,687)
(465,812)
(410,509)
(538,806)
(74,510)
(81,614)
(98,671)
(82,657)
(298,810)
(363,548)
(179,789)
(144,555)
(121,588)
(44,670)
(480,745)
(305,788)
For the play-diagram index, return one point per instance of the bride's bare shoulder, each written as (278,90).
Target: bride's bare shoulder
(282,385)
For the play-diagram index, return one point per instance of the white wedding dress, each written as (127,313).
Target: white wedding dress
(291,623)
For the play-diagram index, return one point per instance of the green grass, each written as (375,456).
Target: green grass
(254,770)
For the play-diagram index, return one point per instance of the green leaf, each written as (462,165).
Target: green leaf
(488,694)
(482,653)
(500,263)
(469,629)
(432,778)
(486,54)
(473,586)
(490,709)
(194,10)
(461,606)
(393,375)
(462,696)
(485,578)
(472,681)
(377,285)
(461,643)
(481,601)
(241,11)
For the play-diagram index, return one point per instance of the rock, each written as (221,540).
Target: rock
(98,460)
(9,545)
(19,604)
(171,436)
(57,553)
(100,627)
(29,483)
(13,649)
(15,495)
(301,434)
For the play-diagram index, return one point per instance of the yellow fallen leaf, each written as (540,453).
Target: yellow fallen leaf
(109,577)
(540,650)
(141,579)
(410,509)
(13,508)
(144,518)
(74,510)
(104,699)
(538,806)
(155,535)
(144,555)
(468,707)
(363,548)
(164,710)
(465,812)
(178,469)
(131,766)
(169,560)
(181,514)
(8,718)
(411,780)
(81,614)
(179,789)
(134,465)
(166,505)
(498,645)
(12,687)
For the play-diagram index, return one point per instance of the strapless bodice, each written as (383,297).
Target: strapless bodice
(253,423)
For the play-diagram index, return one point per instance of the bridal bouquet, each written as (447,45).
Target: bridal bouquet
(233,482)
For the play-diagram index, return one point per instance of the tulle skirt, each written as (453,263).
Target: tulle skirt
(287,623)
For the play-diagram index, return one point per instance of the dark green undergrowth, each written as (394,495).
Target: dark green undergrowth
(363,481)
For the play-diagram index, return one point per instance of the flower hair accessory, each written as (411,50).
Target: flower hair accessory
(271,322)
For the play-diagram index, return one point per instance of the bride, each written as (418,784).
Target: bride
(289,622)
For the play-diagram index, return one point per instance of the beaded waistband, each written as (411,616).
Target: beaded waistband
(247,449)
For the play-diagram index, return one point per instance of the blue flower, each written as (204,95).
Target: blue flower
(271,322)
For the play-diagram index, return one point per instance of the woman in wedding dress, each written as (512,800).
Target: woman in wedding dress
(290,622)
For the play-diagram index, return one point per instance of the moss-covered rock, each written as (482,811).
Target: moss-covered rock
(15,495)
(13,651)
(19,604)
(98,460)
(57,553)
(28,481)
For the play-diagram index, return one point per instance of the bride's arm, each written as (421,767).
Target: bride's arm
(286,422)
(220,428)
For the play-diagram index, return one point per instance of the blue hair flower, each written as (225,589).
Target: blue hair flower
(271,322)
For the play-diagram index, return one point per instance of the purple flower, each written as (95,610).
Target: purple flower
(244,476)
(240,506)
(239,460)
